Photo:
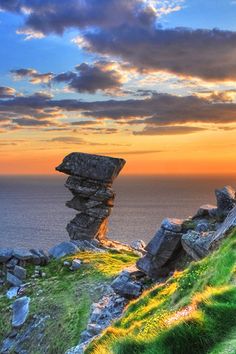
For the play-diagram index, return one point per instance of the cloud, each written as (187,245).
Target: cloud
(66,140)
(137,152)
(30,122)
(92,77)
(170,130)
(53,16)
(7,92)
(157,110)
(33,75)
(181,51)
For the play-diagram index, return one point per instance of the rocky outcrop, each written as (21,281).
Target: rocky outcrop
(163,249)
(90,181)
(226,200)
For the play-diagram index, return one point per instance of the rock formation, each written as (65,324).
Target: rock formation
(90,181)
(163,249)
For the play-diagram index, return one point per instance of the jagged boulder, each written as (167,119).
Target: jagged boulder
(199,244)
(226,200)
(63,249)
(20,311)
(163,250)
(90,181)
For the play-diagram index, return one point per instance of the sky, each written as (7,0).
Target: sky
(151,81)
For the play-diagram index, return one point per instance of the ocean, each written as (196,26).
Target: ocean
(33,211)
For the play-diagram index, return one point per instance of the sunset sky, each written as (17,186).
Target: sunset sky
(151,81)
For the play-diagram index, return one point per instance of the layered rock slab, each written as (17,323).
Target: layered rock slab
(163,250)
(91,177)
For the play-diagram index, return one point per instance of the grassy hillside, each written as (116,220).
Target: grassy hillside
(64,299)
(193,312)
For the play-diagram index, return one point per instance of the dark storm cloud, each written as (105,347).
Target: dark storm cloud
(6,92)
(91,78)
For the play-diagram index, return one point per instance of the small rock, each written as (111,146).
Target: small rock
(94,328)
(12,263)
(20,272)
(202,227)
(124,286)
(20,311)
(5,254)
(13,280)
(76,264)
(63,249)
(67,264)
(12,292)
(138,245)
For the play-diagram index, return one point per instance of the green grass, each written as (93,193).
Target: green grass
(66,297)
(193,312)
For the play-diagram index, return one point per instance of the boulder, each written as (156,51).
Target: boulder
(20,311)
(13,280)
(125,286)
(22,254)
(163,250)
(5,254)
(196,244)
(63,249)
(206,210)
(101,168)
(226,200)
(173,225)
(200,244)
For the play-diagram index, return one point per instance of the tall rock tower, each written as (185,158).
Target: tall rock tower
(90,181)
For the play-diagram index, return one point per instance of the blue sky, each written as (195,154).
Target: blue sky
(102,75)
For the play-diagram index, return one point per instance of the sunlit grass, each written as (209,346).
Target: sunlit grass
(194,312)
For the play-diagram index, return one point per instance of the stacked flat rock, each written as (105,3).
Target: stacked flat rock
(90,181)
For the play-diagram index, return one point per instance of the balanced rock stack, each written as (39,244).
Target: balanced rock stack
(90,181)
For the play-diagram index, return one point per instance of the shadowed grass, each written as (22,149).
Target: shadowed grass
(193,312)
(65,297)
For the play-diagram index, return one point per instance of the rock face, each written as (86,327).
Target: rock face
(90,181)
(163,249)
(226,200)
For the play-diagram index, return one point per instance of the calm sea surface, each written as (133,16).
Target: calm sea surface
(33,212)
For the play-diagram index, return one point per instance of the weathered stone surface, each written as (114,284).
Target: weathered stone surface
(22,254)
(101,168)
(90,182)
(226,199)
(196,244)
(206,210)
(20,311)
(225,228)
(171,224)
(125,286)
(12,292)
(85,227)
(163,250)
(138,245)
(63,249)
(20,272)
(13,280)
(40,257)
(5,254)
